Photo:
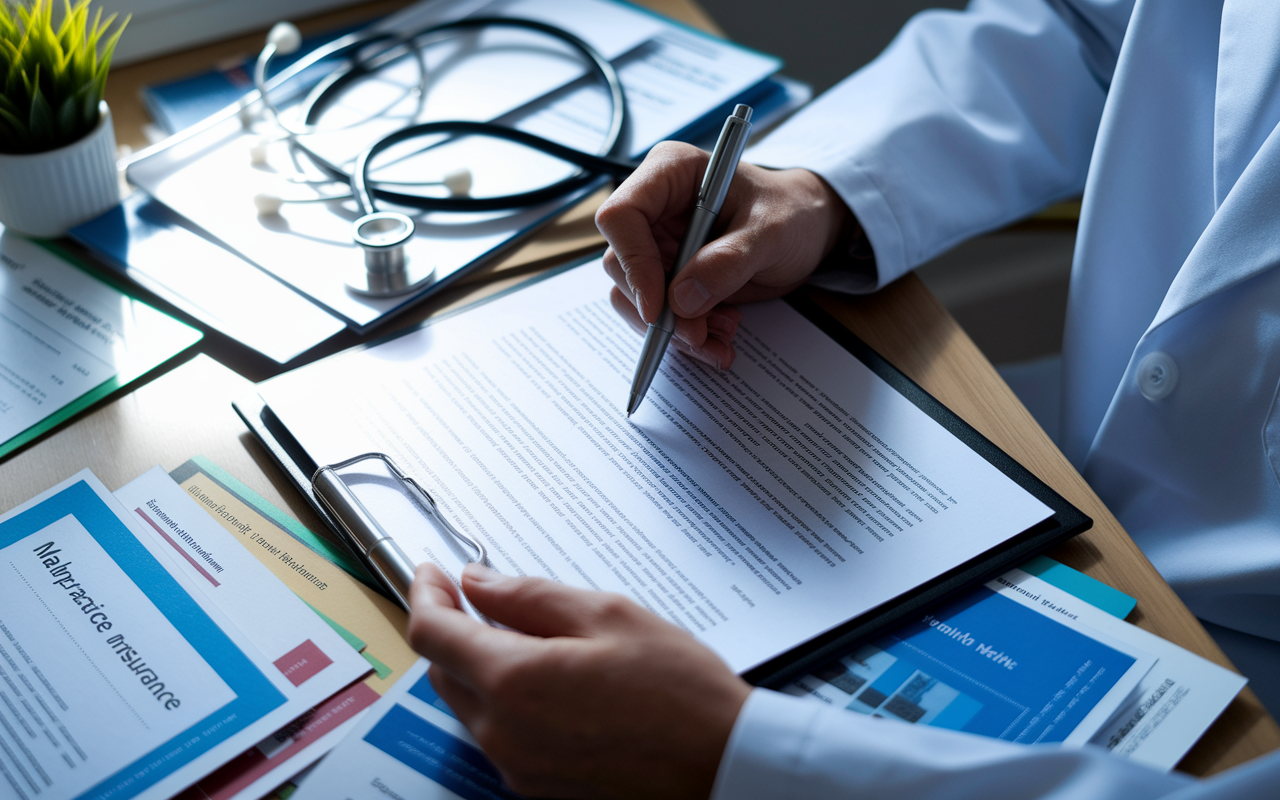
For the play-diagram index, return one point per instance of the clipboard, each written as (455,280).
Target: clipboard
(1065,521)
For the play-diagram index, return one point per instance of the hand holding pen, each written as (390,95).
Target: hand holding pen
(771,233)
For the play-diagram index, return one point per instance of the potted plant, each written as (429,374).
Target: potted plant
(57,146)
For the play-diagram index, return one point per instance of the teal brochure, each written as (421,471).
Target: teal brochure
(1091,590)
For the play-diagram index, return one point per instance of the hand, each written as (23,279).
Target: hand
(597,697)
(774,229)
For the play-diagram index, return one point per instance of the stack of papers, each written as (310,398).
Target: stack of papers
(142,647)
(411,744)
(184,631)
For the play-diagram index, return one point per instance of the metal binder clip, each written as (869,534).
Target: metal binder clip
(370,539)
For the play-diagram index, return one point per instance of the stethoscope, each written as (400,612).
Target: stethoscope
(382,235)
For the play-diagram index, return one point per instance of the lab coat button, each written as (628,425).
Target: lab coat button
(1157,375)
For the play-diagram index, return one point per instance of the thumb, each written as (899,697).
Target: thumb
(541,607)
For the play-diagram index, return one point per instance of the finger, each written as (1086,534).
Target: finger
(622,304)
(438,588)
(716,273)
(613,269)
(461,699)
(715,354)
(445,634)
(702,333)
(539,606)
(661,188)
(718,329)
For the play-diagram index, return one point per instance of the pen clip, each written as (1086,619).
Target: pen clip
(724,158)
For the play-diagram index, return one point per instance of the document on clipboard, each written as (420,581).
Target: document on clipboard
(806,498)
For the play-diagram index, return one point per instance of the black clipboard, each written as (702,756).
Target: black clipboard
(1065,522)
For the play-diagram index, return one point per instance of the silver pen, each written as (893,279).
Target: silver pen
(715,185)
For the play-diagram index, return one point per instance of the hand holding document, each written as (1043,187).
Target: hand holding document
(755,508)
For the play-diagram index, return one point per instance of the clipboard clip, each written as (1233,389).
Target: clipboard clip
(369,538)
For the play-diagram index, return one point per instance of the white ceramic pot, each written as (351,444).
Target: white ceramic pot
(45,194)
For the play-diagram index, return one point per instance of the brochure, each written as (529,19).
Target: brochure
(314,570)
(122,678)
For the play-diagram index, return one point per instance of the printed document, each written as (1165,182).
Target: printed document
(371,624)
(139,650)
(318,661)
(986,663)
(119,679)
(409,745)
(756,508)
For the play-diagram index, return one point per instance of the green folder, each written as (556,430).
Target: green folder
(50,307)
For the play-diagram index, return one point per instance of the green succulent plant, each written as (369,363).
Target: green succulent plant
(51,79)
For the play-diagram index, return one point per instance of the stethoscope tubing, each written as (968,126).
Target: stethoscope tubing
(367,192)
(593,167)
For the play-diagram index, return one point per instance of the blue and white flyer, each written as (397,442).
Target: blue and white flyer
(985,663)
(118,677)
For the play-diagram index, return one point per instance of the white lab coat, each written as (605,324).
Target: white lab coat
(1164,112)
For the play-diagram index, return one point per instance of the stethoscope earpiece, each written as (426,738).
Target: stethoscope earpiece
(285,38)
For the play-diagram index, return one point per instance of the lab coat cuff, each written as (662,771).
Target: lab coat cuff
(766,747)
(858,188)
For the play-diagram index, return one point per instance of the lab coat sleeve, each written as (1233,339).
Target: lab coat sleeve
(792,747)
(968,120)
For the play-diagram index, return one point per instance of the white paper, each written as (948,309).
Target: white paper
(672,78)
(756,508)
(273,618)
(1173,705)
(63,333)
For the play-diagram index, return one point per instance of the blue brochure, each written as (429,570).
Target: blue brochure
(139,690)
(984,664)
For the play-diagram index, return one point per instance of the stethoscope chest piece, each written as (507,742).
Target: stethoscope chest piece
(388,271)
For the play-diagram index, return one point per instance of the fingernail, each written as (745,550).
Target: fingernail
(690,296)
(482,574)
(705,357)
